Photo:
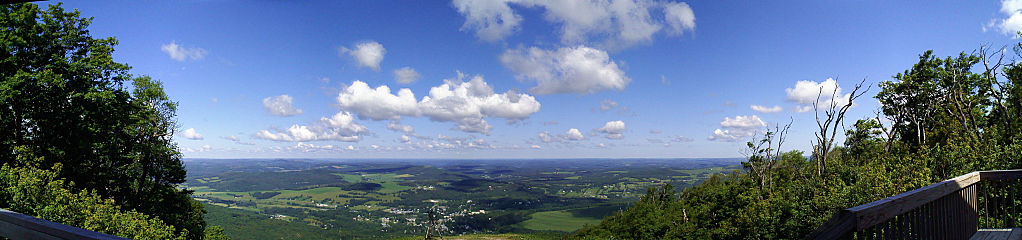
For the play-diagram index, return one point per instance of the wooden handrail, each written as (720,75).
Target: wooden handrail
(862,217)
(15,225)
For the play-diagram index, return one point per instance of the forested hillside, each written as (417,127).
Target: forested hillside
(943,117)
(82,141)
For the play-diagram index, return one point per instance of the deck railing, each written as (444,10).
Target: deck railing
(20,226)
(953,209)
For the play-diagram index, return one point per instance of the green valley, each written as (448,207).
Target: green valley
(527,199)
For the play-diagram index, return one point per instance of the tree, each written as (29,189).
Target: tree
(64,99)
(833,116)
(41,193)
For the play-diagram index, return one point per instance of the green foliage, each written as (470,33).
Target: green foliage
(42,194)
(64,99)
(947,120)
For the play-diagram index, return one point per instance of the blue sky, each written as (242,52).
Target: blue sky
(521,79)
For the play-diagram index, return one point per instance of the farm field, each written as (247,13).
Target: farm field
(385,199)
(557,221)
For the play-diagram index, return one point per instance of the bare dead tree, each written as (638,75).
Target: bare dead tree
(833,116)
(764,154)
(993,62)
(888,131)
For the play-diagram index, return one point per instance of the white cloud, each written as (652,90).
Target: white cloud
(406,75)
(281,106)
(180,53)
(396,125)
(343,123)
(1012,23)
(738,128)
(581,70)
(405,139)
(339,127)
(617,23)
(204,148)
(681,139)
(492,20)
(546,137)
(237,140)
(536,147)
(377,104)
(191,134)
(571,135)
(607,104)
(613,129)
(764,109)
(464,103)
(367,54)
(309,147)
(574,134)
(680,17)
(806,93)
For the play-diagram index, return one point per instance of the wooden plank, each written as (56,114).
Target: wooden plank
(1016,234)
(1001,175)
(992,234)
(981,235)
(839,226)
(15,225)
(876,212)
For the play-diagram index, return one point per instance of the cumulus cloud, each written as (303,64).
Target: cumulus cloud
(191,134)
(580,70)
(396,126)
(281,106)
(806,93)
(379,103)
(203,148)
(464,103)
(617,23)
(367,54)
(613,129)
(491,20)
(680,17)
(1011,24)
(574,134)
(339,127)
(764,109)
(406,75)
(181,53)
(737,129)
(546,137)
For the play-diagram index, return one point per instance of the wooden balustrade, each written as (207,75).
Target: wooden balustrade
(20,226)
(952,209)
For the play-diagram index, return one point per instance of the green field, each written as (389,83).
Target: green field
(557,221)
(479,199)
(506,236)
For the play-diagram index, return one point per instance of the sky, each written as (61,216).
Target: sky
(470,79)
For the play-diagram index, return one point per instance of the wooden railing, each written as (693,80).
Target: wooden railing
(953,209)
(20,226)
